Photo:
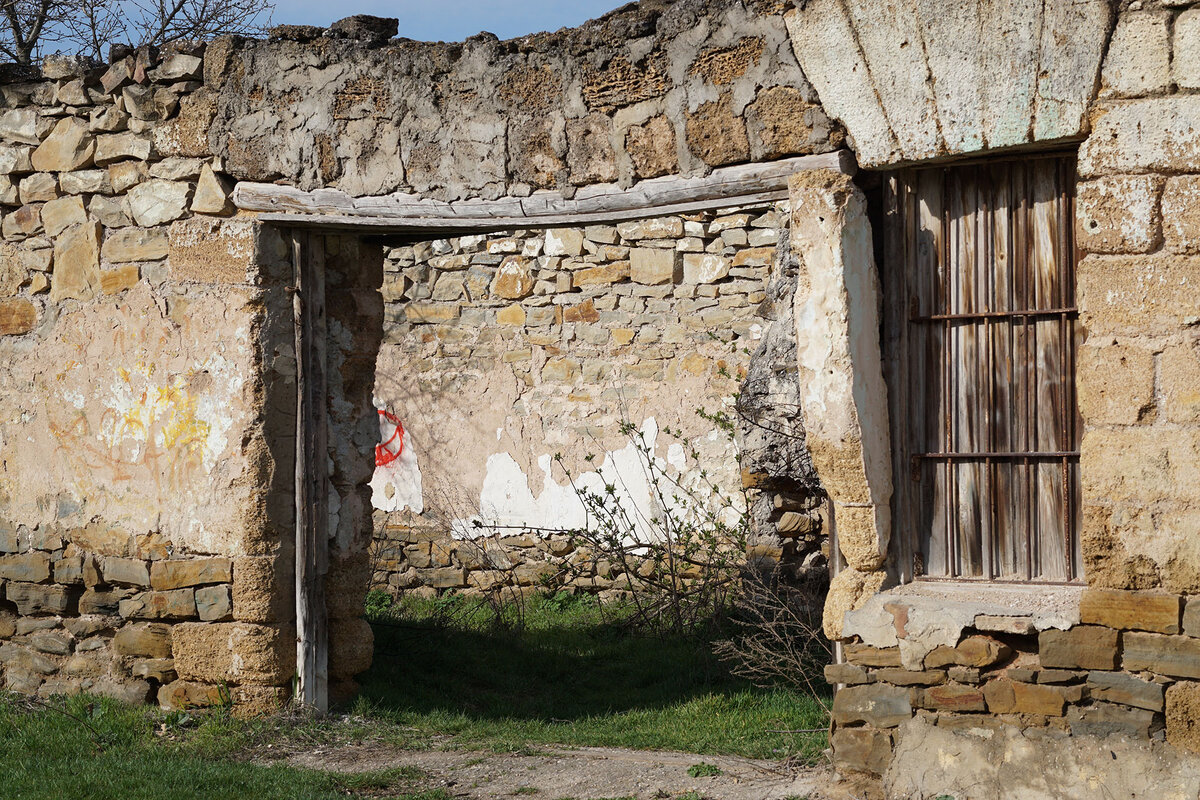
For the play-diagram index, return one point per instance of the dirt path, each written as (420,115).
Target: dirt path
(585,773)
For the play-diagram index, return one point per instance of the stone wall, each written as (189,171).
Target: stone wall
(148,402)
(505,350)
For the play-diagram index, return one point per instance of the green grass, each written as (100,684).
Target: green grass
(110,751)
(572,674)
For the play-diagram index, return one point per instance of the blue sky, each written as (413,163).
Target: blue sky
(450,20)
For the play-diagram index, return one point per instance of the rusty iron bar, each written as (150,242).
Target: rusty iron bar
(990,315)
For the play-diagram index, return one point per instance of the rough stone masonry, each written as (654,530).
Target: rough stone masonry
(147,392)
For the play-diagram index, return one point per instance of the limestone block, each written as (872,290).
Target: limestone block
(656,228)
(1138,295)
(87,181)
(17,316)
(38,188)
(114,147)
(653,266)
(1181,212)
(213,193)
(177,604)
(126,571)
(583,312)
(213,603)
(70,146)
(1139,56)
(72,93)
(156,201)
(126,175)
(564,242)
(15,160)
(716,135)
(449,287)
(862,750)
(76,263)
(28,567)
(1185,66)
(1115,382)
(1176,656)
(119,278)
(60,214)
(1125,689)
(511,315)
(165,575)
(848,591)
(1082,647)
(112,212)
(561,370)
(149,640)
(10,194)
(20,125)
(430,312)
(261,590)
(134,244)
(14,656)
(1152,134)
(1119,214)
(781,123)
(704,267)
(514,279)
(179,66)
(876,704)
(1183,715)
(590,154)
(1142,611)
(177,168)
(351,647)
(212,652)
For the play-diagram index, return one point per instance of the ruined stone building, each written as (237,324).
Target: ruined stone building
(940,259)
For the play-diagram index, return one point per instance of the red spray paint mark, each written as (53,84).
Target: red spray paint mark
(383,454)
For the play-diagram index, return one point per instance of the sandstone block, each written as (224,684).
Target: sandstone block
(28,567)
(848,674)
(10,195)
(134,244)
(115,147)
(1140,611)
(1105,719)
(157,201)
(148,640)
(583,312)
(1181,213)
(1138,61)
(103,602)
(17,317)
(112,212)
(52,643)
(213,603)
(193,572)
(1185,66)
(602,275)
(653,266)
(77,263)
(70,146)
(256,701)
(1081,647)
(1005,696)
(716,135)
(351,647)
(514,279)
(119,279)
(651,148)
(26,221)
(38,188)
(260,589)
(704,267)
(159,670)
(877,704)
(20,125)
(176,168)
(1131,295)
(1125,689)
(177,604)
(32,598)
(754,257)
(1115,383)
(127,174)
(179,66)
(209,250)
(14,656)
(564,242)
(60,214)
(430,312)
(15,160)
(1177,656)
(444,577)
(126,571)
(68,569)
(953,697)
(511,315)
(862,750)
(1191,617)
(182,694)
(212,652)
(980,651)
(1119,214)
(561,370)
(213,193)
(905,677)
(1183,715)
(1179,379)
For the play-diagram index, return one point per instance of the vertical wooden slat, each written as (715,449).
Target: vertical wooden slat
(930,276)
(312,484)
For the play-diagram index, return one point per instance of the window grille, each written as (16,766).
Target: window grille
(980,331)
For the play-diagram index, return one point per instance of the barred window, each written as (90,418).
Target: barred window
(980,336)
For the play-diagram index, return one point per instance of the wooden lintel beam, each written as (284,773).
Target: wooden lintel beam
(727,186)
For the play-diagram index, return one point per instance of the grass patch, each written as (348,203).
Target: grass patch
(572,673)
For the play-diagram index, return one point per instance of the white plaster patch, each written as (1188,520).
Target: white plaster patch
(396,485)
